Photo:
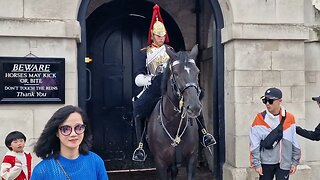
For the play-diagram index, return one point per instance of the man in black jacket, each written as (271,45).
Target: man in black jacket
(312,135)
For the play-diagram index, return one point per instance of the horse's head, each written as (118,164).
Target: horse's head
(184,79)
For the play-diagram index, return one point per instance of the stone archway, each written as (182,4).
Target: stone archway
(216,67)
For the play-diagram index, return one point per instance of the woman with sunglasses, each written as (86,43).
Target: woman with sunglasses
(281,159)
(64,147)
(312,135)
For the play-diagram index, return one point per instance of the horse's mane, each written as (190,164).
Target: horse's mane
(165,77)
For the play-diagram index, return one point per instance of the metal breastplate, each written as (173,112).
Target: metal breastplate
(156,59)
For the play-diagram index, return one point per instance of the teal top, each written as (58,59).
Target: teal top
(88,166)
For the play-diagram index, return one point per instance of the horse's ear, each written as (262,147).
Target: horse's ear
(171,53)
(194,52)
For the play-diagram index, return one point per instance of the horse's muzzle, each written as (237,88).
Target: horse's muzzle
(194,110)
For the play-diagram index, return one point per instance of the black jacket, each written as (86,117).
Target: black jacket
(312,135)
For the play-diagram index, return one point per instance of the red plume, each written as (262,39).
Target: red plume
(156,14)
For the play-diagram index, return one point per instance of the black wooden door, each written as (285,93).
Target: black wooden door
(114,50)
(116,32)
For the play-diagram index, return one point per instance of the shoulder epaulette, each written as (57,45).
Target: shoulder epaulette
(144,49)
(170,47)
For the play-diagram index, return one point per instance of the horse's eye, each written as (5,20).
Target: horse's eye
(176,74)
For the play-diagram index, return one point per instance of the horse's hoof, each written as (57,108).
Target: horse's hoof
(139,155)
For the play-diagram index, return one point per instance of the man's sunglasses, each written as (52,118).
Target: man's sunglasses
(78,129)
(266,100)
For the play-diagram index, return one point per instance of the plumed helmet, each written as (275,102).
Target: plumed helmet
(159,29)
(156,26)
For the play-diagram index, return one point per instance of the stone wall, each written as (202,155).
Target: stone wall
(312,81)
(46,29)
(267,45)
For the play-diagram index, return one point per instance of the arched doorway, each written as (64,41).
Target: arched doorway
(115,35)
(135,15)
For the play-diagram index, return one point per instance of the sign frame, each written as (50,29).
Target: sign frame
(32,80)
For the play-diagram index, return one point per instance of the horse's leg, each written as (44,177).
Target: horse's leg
(161,168)
(191,167)
(174,171)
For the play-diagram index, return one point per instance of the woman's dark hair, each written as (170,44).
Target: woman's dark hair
(49,144)
(14,135)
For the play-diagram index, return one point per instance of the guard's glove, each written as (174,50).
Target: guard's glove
(143,80)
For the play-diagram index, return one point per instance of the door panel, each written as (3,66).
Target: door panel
(110,109)
(115,35)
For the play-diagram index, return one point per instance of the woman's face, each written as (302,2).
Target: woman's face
(70,141)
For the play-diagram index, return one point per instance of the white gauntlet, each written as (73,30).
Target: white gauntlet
(143,80)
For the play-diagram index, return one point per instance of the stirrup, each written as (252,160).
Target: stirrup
(207,139)
(139,154)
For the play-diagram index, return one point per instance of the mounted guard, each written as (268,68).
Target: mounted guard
(148,74)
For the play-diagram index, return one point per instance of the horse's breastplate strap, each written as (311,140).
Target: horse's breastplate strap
(156,58)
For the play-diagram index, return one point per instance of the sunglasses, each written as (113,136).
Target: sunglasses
(270,101)
(78,129)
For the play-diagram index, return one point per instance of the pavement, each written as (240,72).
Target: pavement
(202,173)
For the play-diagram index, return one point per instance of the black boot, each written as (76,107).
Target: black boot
(139,153)
(206,138)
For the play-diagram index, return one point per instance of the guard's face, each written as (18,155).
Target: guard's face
(158,40)
(318,102)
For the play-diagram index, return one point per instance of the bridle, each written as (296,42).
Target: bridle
(178,92)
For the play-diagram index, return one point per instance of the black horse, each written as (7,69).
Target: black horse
(172,127)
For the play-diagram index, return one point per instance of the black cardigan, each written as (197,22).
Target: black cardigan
(312,135)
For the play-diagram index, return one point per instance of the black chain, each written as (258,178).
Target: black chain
(64,172)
